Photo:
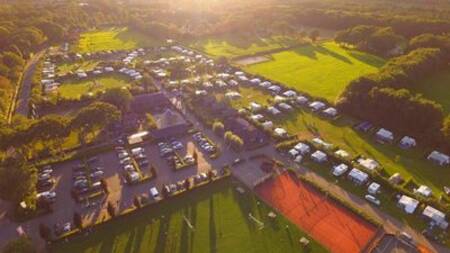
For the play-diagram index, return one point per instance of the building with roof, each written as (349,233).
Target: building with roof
(319,156)
(407,142)
(424,191)
(436,216)
(340,169)
(384,135)
(408,204)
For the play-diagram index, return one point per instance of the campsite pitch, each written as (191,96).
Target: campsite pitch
(329,223)
(216,218)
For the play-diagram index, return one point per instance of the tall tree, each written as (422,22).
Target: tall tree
(21,245)
(17,179)
(119,97)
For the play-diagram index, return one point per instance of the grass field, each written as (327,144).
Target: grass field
(322,70)
(409,163)
(74,66)
(219,216)
(77,88)
(112,39)
(238,45)
(437,88)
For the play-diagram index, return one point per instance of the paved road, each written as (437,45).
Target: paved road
(23,97)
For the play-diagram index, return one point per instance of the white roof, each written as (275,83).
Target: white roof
(279,99)
(374,187)
(265,84)
(385,134)
(330,111)
(255,81)
(322,143)
(274,88)
(302,148)
(408,141)
(273,110)
(257,117)
(340,169)
(317,105)
(255,106)
(368,163)
(302,100)
(280,131)
(232,94)
(342,153)
(293,152)
(358,175)
(439,157)
(285,106)
(424,190)
(319,155)
(434,214)
(290,93)
(267,124)
(409,204)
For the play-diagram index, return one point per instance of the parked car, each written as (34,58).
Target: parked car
(49,196)
(372,199)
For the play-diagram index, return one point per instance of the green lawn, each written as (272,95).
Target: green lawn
(112,39)
(437,88)
(322,70)
(219,216)
(239,45)
(74,66)
(248,94)
(409,163)
(77,88)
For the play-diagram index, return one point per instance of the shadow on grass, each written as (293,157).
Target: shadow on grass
(212,228)
(367,58)
(311,52)
(162,234)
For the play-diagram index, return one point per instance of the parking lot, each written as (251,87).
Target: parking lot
(121,193)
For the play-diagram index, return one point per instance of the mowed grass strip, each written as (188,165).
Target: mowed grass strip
(76,88)
(409,163)
(112,39)
(321,70)
(436,88)
(219,216)
(239,45)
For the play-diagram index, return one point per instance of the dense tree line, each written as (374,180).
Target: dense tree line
(429,40)
(384,98)
(379,40)
(26,27)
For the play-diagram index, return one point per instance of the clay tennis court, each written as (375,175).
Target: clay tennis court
(332,225)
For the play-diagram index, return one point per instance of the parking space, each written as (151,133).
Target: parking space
(120,192)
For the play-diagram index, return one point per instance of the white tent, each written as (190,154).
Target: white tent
(293,153)
(233,95)
(257,117)
(384,135)
(408,204)
(342,154)
(330,112)
(302,148)
(424,191)
(274,111)
(358,176)
(374,188)
(267,125)
(439,158)
(319,156)
(301,100)
(290,93)
(368,163)
(436,216)
(317,105)
(280,132)
(284,106)
(340,169)
(407,142)
(255,106)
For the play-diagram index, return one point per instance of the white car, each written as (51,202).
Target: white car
(372,199)
(122,155)
(125,160)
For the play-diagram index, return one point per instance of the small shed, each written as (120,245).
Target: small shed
(407,142)
(384,135)
(358,176)
(439,158)
(408,204)
(340,169)
(319,156)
